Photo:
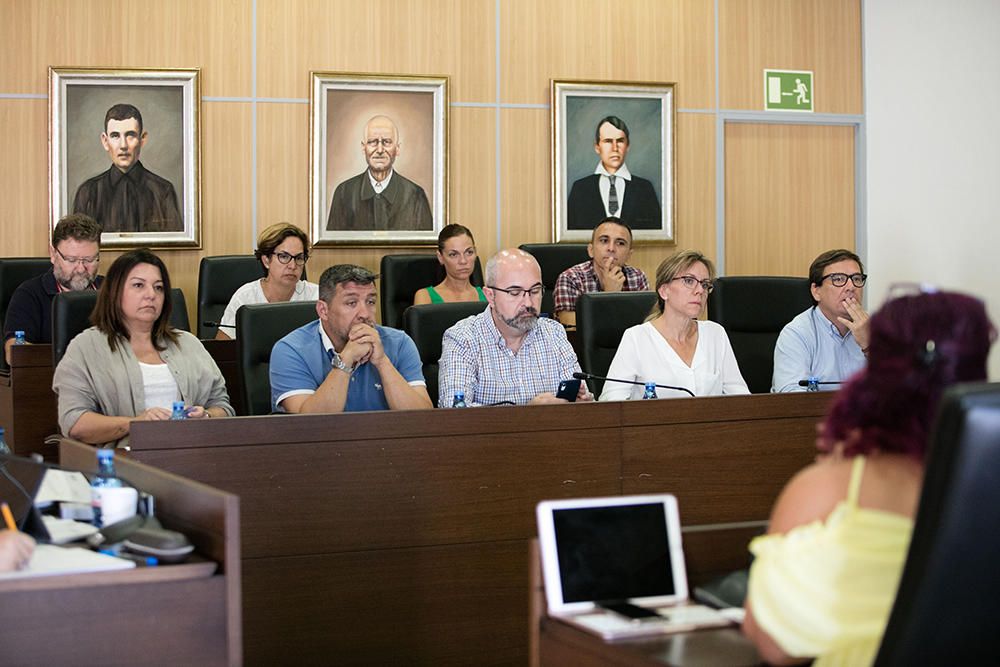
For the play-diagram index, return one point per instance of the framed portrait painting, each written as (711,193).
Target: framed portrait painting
(378,156)
(613,155)
(124,148)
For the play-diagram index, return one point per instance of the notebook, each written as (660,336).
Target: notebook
(615,566)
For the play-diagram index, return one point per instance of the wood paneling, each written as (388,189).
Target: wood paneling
(214,36)
(633,40)
(24,178)
(439,37)
(823,36)
(789,196)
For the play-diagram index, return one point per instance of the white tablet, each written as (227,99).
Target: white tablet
(616,549)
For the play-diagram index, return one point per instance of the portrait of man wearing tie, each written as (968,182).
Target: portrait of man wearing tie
(612,190)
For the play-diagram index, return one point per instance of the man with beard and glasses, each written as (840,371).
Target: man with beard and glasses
(344,362)
(75,256)
(507,354)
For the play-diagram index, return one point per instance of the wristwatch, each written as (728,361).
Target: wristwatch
(339,364)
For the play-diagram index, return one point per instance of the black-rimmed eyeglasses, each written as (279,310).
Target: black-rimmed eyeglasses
(840,279)
(87,261)
(691,281)
(518,292)
(285,258)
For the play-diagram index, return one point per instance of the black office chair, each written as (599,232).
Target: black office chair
(13,272)
(401,276)
(218,279)
(554,258)
(948,602)
(261,326)
(601,319)
(426,326)
(753,310)
(71,315)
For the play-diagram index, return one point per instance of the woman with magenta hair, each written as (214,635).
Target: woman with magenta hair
(825,575)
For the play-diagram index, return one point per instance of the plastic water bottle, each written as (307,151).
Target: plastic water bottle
(178,412)
(19,338)
(813,384)
(459,401)
(105,479)
(650,391)
(4,449)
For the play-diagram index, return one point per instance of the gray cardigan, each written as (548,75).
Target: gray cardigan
(94,378)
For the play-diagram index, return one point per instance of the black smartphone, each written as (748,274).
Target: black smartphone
(568,389)
(631,611)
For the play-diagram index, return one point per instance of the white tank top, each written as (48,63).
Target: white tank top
(159,386)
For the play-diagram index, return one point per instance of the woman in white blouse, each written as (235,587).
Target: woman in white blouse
(673,347)
(283,252)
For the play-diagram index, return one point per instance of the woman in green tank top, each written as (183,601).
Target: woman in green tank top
(457,254)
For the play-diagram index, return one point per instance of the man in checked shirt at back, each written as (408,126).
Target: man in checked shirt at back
(507,353)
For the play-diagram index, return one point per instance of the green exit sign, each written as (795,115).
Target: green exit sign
(788,90)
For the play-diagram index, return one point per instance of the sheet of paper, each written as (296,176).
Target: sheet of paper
(49,559)
(63,531)
(60,485)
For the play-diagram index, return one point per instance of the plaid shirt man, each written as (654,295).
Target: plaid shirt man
(476,360)
(582,278)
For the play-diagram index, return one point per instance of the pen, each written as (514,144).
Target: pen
(8,517)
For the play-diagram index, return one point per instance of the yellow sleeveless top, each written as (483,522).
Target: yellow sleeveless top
(826,588)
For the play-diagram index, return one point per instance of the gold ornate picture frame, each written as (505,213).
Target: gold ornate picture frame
(635,124)
(378,159)
(124,147)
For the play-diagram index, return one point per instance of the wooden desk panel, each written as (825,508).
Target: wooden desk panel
(458,604)
(27,404)
(186,614)
(403,535)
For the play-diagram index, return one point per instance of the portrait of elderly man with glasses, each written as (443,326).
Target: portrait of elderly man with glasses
(380,198)
(828,342)
(673,347)
(507,354)
(75,256)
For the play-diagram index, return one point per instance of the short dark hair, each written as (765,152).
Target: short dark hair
(920,344)
(338,274)
(614,220)
(274,236)
(107,315)
(76,226)
(122,111)
(614,121)
(826,259)
(451,231)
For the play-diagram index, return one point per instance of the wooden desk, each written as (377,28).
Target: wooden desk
(28,405)
(403,537)
(555,642)
(186,614)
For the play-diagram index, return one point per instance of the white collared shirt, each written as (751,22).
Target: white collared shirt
(622,177)
(379,185)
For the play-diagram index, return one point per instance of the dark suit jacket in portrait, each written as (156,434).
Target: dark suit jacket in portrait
(135,201)
(401,206)
(640,210)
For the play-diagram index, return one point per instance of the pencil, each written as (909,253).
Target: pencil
(8,517)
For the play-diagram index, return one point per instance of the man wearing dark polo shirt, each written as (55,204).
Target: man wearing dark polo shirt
(75,255)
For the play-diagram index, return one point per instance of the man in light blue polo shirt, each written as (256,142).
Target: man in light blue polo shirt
(828,342)
(344,362)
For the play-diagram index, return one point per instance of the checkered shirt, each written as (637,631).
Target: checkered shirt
(475,359)
(582,278)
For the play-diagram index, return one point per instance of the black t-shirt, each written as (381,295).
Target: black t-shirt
(30,308)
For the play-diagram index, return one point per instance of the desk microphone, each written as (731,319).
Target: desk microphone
(219,325)
(814,381)
(591,376)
